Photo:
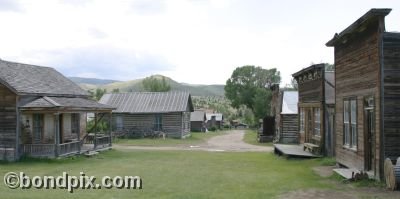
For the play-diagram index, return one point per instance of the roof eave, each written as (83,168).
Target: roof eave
(359,22)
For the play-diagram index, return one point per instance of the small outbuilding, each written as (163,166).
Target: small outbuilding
(166,112)
(198,121)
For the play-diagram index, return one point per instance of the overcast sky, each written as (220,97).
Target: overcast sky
(192,41)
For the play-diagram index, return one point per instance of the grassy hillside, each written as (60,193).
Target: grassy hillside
(136,85)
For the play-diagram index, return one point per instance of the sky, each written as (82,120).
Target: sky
(191,41)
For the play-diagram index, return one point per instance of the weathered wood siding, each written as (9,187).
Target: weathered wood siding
(357,75)
(289,130)
(172,123)
(185,124)
(311,91)
(196,126)
(8,123)
(391,77)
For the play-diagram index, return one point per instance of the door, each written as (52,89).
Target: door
(310,126)
(37,128)
(329,138)
(61,130)
(369,134)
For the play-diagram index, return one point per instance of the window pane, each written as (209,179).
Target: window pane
(317,121)
(346,134)
(353,105)
(302,119)
(346,111)
(353,135)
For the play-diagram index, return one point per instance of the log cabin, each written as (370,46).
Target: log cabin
(43,114)
(285,113)
(215,120)
(367,76)
(198,121)
(166,112)
(316,107)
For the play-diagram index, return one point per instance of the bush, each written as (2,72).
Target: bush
(213,128)
(227,126)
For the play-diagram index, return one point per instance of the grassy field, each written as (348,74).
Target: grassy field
(176,174)
(250,137)
(194,139)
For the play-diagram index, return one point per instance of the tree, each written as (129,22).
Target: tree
(154,84)
(97,94)
(115,90)
(249,86)
(294,84)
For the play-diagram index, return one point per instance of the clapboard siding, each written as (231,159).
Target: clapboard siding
(311,91)
(289,133)
(391,77)
(8,118)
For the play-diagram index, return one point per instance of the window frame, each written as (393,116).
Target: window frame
(317,122)
(302,120)
(350,130)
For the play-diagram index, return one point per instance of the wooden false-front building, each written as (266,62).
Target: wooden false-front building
(285,113)
(43,114)
(198,121)
(367,74)
(316,107)
(167,112)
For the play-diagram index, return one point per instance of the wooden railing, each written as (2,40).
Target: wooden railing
(68,148)
(102,141)
(39,150)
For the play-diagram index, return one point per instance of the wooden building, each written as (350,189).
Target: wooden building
(367,75)
(215,120)
(167,112)
(198,121)
(284,110)
(43,114)
(316,107)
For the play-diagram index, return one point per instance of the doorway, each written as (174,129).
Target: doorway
(369,133)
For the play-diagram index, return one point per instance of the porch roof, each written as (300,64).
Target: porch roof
(65,103)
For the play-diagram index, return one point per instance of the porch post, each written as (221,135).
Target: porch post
(110,127)
(95,131)
(57,134)
(78,132)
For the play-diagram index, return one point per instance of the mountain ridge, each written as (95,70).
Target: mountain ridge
(135,85)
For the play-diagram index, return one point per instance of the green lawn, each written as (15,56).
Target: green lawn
(194,139)
(176,174)
(250,137)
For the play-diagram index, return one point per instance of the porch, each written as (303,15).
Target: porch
(96,143)
(61,127)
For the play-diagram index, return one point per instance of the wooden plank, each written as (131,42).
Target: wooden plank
(293,150)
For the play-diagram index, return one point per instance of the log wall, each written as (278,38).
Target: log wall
(8,123)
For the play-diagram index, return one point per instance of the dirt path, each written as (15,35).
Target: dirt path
(231,141)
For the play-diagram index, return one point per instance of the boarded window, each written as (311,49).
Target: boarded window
(350,123)
(158,122)
(302,120)
(119,123)
(317,122)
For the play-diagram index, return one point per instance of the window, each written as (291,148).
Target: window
(119,123)
(302,120)
(158,122)
(350,123)
(75,121)
(317,122)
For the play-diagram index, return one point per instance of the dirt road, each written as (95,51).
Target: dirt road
(231,141)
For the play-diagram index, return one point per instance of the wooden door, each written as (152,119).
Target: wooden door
(61,130)
(38,123)
(329,134)
(369,133)
(310,126)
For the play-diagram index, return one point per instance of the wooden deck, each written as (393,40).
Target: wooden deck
(293,151)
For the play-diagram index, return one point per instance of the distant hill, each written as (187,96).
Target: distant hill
(136,85)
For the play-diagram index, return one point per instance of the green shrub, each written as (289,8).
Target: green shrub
(213,128)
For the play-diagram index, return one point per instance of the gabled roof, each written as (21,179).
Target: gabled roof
(149,102)
(74,103)
(218,116)
(198,116)
(25,79)
(372,15)
(308,69)
(289,102)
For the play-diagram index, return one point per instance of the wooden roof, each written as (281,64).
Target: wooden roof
(149,102)
(64,103)
(25,79)
(198,116)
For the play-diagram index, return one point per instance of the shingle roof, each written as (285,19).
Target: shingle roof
(289,102)
(218,116)
(37,80)
(148,102)
(65,102)
(197,116)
